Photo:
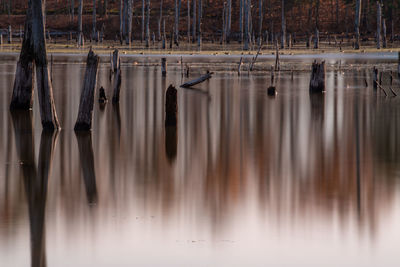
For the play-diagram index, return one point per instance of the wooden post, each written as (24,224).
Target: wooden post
(378,23)
(84,120)
(164,66)
(9,34)
(384,41)
(117,84)
(171,106)
(317,81)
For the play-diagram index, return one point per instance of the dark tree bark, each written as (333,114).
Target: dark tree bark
(147,23)
(34,51)
(84,120)
(317,81)
(283,39)
(194,32)
(80,34)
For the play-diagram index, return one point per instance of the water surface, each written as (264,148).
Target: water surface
(243,180)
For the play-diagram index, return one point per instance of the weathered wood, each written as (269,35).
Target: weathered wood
(22,97)
(117,84)
(34,50)
(283,24)
(171,106)
(201,79)
(164,67)
(317,81)
(84,120)
(115,61)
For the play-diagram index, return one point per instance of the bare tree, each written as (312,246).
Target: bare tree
(260,22)
(129,22)
(283,39)
(246,9)
(80,34)
(229,20)
(143,16)
(200,14)
(94,19)
(147,23)
(159,20)
(357,24)
(194,32)
(241,8)
(188,20)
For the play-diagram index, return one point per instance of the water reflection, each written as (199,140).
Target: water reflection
(240,169)
(35,180)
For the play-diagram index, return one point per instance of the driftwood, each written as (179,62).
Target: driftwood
(201,79)
(84,120)
(34,50)
(171,106)
(317,81)
(117,84)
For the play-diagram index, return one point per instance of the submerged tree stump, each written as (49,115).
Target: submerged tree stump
(171,106)
(317,81)
(375,77)
(164,67)
(34,51)
(84,120)
(9,34)
(115,61)
(102,96)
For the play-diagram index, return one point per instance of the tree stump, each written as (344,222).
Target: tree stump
(84,120)
(316,40)
(102,96)
(375,77)
(164,67)
(115,61)
(317,81)
(171,106)
(34,51)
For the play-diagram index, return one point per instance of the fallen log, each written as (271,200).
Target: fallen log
(201,79)
(84,120)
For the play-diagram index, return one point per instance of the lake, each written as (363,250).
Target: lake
(245,179)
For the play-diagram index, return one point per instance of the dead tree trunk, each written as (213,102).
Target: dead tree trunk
(283,41)
(164,67)
(80,34)
(378,25)
(357,24)
(246,24)
(94,20)
(171,106)
(9,34)
(84,120)
(176,27)
(160,20)
(384,40)
(241,7)
(201,79)
(143,17)
(115,61)
(188,20)
(34,51)
(121,19)
(229,21)
(316,40)
(260,21)
(147,23)
(317,81)
(200,14)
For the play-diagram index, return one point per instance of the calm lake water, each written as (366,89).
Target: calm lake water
(244,180)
